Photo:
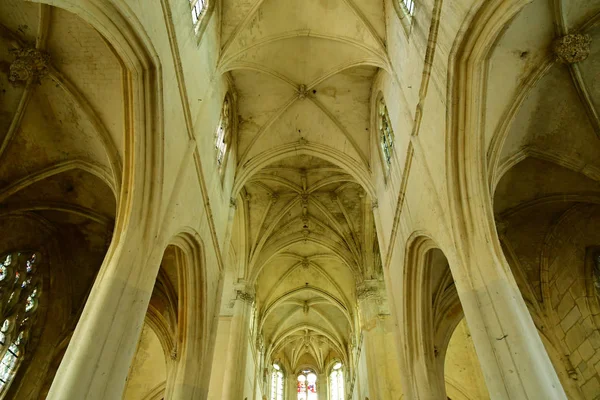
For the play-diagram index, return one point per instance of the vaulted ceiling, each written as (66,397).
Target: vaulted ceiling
(60,141)
(543,134)
(303,75)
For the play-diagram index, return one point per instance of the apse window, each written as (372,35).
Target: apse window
(277,383)
(386,133)
(336,382)
(223,132)
(19,296)
(409,7)
(198,9)
(307,386)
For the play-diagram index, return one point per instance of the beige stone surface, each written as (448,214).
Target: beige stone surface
(175,274)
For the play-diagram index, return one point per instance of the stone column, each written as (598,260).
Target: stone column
(514,361)
(235,359)
(378,341)
(97,361)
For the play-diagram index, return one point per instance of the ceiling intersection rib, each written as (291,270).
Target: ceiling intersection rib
(241,65)
(327,153)
(55,169)
(382,58)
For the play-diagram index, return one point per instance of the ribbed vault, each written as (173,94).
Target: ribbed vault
(304,235)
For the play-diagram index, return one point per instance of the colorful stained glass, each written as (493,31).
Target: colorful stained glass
(19,297)
(307,386)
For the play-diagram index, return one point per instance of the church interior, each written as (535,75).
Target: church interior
(299,200)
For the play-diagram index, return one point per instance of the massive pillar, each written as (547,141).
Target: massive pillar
(378,341)
(235,383)
(99,355)
(513,359)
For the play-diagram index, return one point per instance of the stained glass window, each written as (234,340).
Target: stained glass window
(336,382)
(307,386)
(410,6)
(18,305)
(277,383)
(222,135)
(198,9)
(386,133)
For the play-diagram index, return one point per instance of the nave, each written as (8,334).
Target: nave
(299,200)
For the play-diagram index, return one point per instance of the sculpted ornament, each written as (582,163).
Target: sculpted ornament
(572,48)
(30,64)
(244,296)
(365,293)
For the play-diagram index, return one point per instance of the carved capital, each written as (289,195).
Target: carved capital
(244,296)
(365,293)
(572,48)
(232,202)
(29,64)
(174,352)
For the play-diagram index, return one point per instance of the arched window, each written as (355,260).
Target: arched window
(336,382)
(409,7)
(277,383)
(223,131)
(20,288)
(386,133)
(199,7)
(307,385)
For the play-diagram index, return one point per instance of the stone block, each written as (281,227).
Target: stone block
(588,373)
(570,319)
(575,358)
(594,339)
(595,358)
(586,350)
(554,296)
(574,337)
(564,282)
(566,304)
(582,304)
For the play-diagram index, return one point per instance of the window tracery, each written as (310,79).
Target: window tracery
(199,7)
(307,385)
(336,382)
(277,380)
(223,132)
(386,133)
(19,296)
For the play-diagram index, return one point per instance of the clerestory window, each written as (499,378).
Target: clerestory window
(336,382)
(307,386)
(277,383)
(409,7)
(386,133)
(223,132)
(199,8)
